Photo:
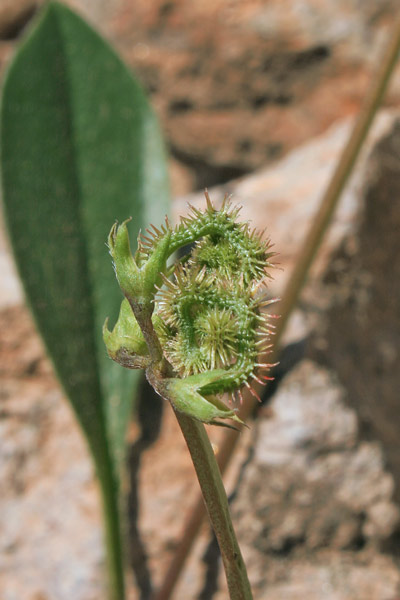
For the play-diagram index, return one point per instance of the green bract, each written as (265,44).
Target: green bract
(208,317)
(186,396)
(137,278)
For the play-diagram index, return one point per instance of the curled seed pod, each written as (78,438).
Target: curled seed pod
(212,323)
(212,308)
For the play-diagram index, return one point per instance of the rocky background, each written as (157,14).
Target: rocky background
(256,99)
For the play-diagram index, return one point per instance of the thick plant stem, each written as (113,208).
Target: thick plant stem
(291,294)
(216,502)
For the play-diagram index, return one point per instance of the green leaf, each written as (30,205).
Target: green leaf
(80,148)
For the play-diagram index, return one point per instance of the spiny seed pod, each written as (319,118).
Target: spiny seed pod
(209,317)
(212,322)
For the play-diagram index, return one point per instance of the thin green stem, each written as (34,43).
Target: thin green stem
(207,471)
(216,502)
(143,316)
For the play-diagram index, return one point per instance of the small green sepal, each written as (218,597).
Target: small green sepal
(185,395)
(125,343)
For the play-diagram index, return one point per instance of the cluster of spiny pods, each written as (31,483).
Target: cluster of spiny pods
(209,307)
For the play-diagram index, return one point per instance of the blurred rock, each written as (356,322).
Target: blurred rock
(10,289)
(361,328)
(51,543)
(238,85)
(312,490)
(14,15)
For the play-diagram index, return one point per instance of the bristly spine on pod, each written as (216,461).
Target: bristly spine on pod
(207,310)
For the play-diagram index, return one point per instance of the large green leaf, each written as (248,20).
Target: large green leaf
(80,148)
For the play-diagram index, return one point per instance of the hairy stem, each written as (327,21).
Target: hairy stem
(216,502)
(143,316)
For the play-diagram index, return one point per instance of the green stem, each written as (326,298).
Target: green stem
(143,316)
(216,502)
(205,465)
(112,533)
(213,492)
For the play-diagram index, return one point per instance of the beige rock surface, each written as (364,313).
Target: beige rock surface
(308,510)
(51,541)
(251,80)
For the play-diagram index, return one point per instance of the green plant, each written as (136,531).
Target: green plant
(80,147)
(198,335)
